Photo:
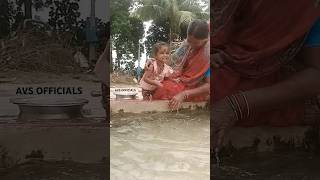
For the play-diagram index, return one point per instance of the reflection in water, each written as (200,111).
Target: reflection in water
(160,146)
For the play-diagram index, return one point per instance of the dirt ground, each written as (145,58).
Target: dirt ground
(118,79)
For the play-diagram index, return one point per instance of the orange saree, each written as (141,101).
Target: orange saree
(190,71)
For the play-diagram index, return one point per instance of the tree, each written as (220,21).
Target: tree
(64,15)
(178,13)
(64,18)
(126,31)
(18,15)
(11,16)
(28,9)
(28,4)
(159,31)
(4,18)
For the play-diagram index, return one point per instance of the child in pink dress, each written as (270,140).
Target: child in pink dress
(156,71)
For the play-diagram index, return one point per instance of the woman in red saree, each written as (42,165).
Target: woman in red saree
(254,46)
(192,77)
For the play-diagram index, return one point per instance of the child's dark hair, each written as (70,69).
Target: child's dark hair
(198,29)
(156,47)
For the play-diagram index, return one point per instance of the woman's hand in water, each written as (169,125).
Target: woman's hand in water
(222,119)
(175,102)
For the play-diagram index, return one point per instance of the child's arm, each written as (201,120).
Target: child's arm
(148,78)
(173,75)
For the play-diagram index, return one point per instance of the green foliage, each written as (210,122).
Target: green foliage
(64,18)
(159,31)
(126,31)
(64,15)
(160,28)
(179,13)
(4,18)
(10,17)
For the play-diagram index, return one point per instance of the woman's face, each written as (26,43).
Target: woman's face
(163,54)
(196,43)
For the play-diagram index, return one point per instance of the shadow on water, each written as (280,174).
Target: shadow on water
(55,170)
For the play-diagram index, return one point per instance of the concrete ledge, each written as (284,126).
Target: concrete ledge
(139,106)
(264,139)
(86,144)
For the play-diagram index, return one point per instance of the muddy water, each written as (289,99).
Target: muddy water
(291,165)
(160,146)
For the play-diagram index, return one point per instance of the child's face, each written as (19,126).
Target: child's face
(163,54)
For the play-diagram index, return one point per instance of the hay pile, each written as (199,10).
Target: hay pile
(36,51)
(121,78)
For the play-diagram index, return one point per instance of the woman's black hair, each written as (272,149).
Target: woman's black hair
(198,29)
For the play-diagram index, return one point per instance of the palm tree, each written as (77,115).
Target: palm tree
(176,12)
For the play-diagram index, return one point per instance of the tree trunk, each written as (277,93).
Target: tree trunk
(4,18)
(118,62)
(28,9)
(170,37)
(111,63)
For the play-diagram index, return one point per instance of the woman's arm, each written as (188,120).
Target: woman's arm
(176,101)
(204,88)
(300,86)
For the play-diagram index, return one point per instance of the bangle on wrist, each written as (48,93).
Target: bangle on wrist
(185,95)
(239,105)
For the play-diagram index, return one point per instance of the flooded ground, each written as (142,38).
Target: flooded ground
(293,165)
(55,170)
(160,146)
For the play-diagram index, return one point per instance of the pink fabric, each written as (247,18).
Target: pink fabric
(166,72)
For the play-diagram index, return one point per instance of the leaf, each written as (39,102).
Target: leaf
(176,12)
